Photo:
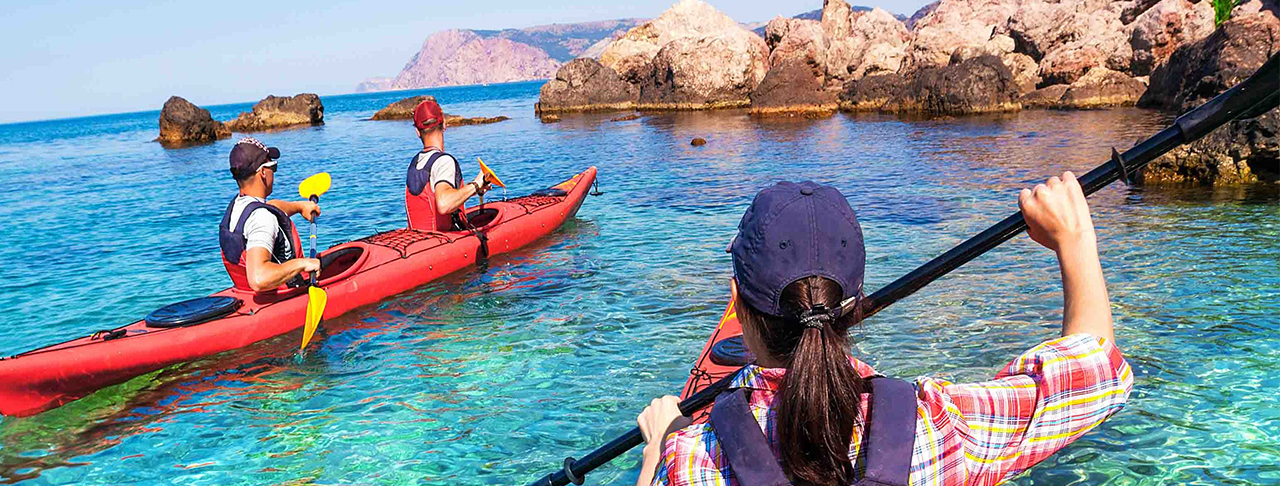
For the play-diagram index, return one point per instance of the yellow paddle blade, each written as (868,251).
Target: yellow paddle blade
(315,309)
(315,185)
(488,174)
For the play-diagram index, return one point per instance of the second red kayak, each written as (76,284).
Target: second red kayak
(356,273)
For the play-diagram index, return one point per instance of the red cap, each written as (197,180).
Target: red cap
(427,115)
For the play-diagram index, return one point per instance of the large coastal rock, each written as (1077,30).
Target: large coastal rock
(630,55)
(791,88)
(182,122)
(951,25)
(280,112)
(403,110)
(872,93)
(1165,26)
(979,85)
(791,39)
(862,42)
(1241,151)
(710,72)
(691,57)
(586,85)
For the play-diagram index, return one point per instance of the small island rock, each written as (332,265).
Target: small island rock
(182,122)
(280,112)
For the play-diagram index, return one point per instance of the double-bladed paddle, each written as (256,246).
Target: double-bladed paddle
(1253,97)
(311,189)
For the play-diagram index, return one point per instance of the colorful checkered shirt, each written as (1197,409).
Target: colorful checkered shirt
(969,433)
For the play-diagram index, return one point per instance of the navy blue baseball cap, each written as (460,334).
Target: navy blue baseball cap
(249,155)
(792,231)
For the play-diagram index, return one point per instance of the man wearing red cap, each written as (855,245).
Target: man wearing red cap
(434,192)
(260,245)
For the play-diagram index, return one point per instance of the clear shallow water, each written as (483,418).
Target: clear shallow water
(493,375)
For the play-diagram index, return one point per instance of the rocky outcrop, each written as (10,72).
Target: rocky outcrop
(872,93)
(1164,27)
(691,57)
(1241,151)
(586,85)
(1101,88)
(1046,97)
(403,110)
(710,72)
(280,112)
(979,85)
(630,55)
(793,88)
(182,122)
(953,24)
(862,42)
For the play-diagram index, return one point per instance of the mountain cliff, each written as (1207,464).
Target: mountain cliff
(462,57)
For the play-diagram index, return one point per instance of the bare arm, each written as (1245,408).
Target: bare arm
(450,199)
(1058,217)
(307,209)
(265,274)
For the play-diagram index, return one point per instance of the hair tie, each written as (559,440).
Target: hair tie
(818,316)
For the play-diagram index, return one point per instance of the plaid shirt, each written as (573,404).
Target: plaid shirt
(970,433)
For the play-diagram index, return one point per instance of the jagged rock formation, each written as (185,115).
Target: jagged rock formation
(280,112)
(182,122)
(1242,151)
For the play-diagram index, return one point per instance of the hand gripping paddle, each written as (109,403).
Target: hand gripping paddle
(311,189)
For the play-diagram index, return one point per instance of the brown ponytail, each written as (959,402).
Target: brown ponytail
(818,401)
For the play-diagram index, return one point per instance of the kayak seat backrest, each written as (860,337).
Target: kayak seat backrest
(338,261)
(482,217)
(192,312)
(731,351)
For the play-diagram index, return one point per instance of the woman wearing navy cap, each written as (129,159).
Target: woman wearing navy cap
(808,413)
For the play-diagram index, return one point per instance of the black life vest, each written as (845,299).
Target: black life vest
(420,197)
(286,247)
(891,433)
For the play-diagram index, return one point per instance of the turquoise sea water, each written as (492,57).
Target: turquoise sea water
(493,375)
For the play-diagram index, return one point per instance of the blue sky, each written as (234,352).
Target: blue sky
(76,58)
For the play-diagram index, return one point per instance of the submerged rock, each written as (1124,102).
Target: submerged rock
(403,110)
(280,112)
(1045,97)
(182,122)
(586,85)
(1241,151)
(633,116)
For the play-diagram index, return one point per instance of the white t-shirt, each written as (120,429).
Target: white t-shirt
(442,170)
(261,229)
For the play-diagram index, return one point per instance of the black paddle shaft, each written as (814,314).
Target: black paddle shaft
(1255,96)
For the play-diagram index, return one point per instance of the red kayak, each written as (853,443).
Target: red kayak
(354,274)
(724,353)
